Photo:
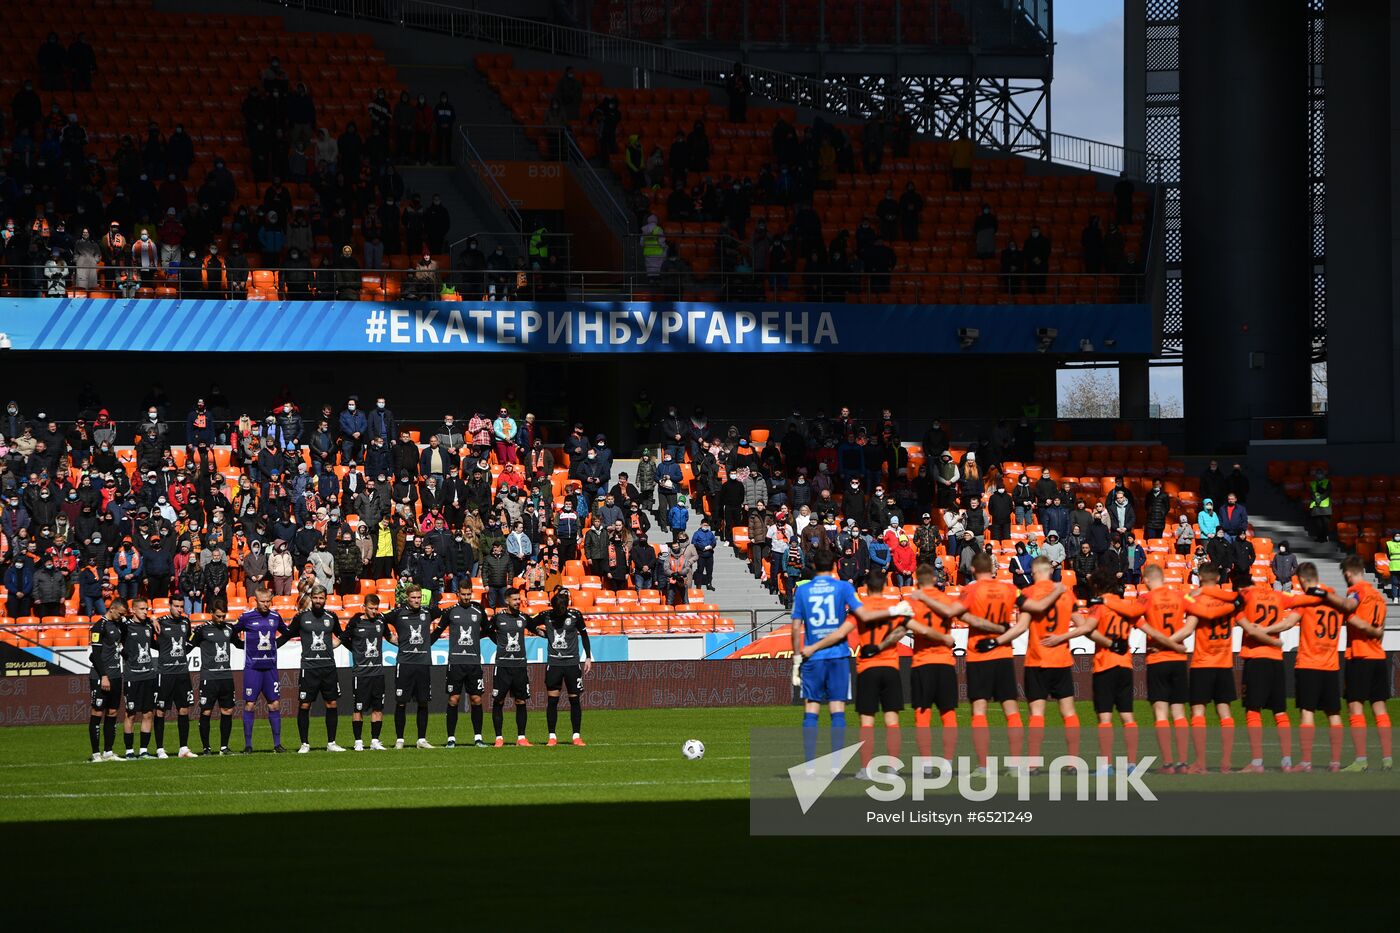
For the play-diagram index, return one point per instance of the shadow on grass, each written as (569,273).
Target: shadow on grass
(649,866)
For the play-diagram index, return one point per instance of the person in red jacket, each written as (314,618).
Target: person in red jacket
(903,558)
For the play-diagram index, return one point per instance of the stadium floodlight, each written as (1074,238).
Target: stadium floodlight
(967,336)
(1045,338)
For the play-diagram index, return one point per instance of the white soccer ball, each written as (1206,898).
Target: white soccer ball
(693,749)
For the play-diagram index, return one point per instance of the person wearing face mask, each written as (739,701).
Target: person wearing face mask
(1285,563)
(499,274)
(984,233)
(1037,260)
(437,221)
(1208,520)
(86,254)
(294,278)
(145,258)
(424,282)
(354,431)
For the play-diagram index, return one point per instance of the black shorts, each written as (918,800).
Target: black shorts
(369,692)
(413,683)
(1319,691)
(992,680)
(1368,680)
(322,681)
(1166,682)
(174,690)
(513,681)
(140,695)
(465,678)
(568,678)
(106,699)
(1113,690)
(1212,685)
(1049,683)
(1263,685)
(216,693)
(878,688)
(934,685)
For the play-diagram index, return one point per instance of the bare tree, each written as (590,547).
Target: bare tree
(1090,393)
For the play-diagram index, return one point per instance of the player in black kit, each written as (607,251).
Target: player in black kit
(563,628)
(139,657)
(411,630)
(316,627)
(364,636)
(105,636)
(508,628)
(215,641)
(463,624)
(173,687)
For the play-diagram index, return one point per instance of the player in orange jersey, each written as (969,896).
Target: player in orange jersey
(1113,666)
(933,679)
(1263,608)
(1367,672)
(1315,677)
(1159,614)
(1049,668)
(989,606)
(1212,668)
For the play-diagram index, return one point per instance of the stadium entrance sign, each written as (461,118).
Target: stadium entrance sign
(208,325)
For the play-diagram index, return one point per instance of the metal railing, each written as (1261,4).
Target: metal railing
(779,87)
(757,628)
(1021,26)
(676,282)
(476,165)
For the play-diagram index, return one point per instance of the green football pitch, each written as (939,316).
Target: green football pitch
(626,817)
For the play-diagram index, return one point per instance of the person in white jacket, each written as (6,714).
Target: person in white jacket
(279,567)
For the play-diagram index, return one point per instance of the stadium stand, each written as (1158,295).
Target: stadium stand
(189,144)
(936,259)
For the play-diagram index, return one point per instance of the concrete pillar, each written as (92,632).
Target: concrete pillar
(1133,394)
(1361,229)
(1245,224)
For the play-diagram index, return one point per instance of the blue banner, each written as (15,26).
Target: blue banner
(185,325)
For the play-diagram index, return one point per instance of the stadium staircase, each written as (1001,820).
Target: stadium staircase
(736,589)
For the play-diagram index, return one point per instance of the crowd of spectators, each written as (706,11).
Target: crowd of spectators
(343,493)
(145,214)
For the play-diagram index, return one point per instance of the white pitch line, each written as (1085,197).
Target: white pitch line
(93,777)
(341,790)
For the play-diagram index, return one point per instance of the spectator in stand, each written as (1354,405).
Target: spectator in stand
(1000,509)
(1122,517)
(1013,266)
(1238,484)
(1091,246)
(1185,536)
(1037,260)
(569,93)
(984,233)
(1158,508)
(737,89)
(911,209)
(1213,484)
(1234,518)
(1285,567)
(1207,519)
(961,152)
